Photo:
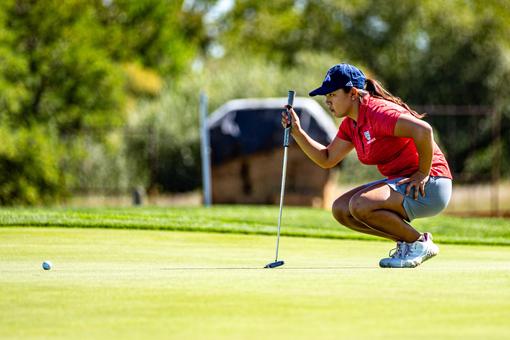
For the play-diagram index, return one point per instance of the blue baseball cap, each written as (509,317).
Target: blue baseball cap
(339,76)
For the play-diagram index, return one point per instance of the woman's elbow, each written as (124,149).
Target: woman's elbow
(327,164)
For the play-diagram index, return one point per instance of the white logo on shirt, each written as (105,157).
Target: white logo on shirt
(368,137)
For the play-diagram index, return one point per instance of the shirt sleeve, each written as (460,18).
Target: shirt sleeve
(385,122)
(344,131)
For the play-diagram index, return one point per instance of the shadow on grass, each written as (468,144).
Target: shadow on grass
(262,268)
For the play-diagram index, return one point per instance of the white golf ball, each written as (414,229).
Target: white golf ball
(47,265)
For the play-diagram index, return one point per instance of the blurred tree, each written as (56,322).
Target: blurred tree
(67,68)
(431,45)
(66,77)
(428,52)
(160,34)
(29,166)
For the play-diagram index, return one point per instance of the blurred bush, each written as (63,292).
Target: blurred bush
(79,66)
(29,166)
(95,162)
(162,142)
(142,81)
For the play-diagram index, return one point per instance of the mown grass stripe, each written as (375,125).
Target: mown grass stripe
(261,220)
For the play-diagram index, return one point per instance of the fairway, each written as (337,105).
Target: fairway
(146,283)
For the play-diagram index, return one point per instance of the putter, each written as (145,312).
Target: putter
(286,136)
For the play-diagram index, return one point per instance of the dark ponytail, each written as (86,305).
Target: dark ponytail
(375,89)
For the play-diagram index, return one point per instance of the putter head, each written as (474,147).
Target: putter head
(274,264)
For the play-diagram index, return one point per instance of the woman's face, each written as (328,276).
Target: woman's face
(339,103)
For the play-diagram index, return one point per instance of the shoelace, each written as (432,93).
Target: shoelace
(400,251)
(411,248)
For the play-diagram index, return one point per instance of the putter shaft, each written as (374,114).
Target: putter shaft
(286,137)
(282,191)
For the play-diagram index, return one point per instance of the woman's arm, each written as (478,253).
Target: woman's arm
(324,156)
(422,134)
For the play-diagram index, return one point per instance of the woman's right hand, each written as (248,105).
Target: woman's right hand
(295,123)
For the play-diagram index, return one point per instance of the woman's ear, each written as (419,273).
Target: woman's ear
(354,93)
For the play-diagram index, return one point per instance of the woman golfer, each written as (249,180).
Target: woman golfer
(385,132)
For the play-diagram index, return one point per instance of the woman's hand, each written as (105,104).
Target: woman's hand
(416,181)
(295,123)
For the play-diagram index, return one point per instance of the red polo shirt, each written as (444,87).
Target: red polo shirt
(375,143)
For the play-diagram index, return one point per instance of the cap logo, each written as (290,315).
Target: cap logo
(349,83)
(328,78)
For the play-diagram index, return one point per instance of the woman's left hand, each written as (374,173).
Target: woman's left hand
(416,181)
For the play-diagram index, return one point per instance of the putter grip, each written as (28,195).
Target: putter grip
(290,101)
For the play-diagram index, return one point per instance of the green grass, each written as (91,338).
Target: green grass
(304,222)
(150,284)
(193,273)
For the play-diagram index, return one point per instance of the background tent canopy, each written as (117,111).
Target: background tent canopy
(246,126)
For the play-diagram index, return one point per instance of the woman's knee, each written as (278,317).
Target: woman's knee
(359,207)
(340,210)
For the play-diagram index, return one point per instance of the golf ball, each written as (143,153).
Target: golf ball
(47,265)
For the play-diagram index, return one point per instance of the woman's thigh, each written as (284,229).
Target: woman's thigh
(342,202)
(377,197)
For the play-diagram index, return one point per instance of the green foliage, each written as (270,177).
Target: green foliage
(69,78)
(142,82)
(355,173)
(427,52)
(29,166)
(246,76)
(481,162)
(158,34)
(417,49)
(92,167)
(163,143)
(76,65)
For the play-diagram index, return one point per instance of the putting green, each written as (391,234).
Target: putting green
(147,284)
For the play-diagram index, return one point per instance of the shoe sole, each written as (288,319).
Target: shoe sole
(428,256)
(383,265)
(410,264)
(414,263)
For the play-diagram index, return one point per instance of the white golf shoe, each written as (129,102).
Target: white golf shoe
(394,254)
(420,251)
(415,253)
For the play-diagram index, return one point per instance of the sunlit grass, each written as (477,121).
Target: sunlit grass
(147,284)
(261,220)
